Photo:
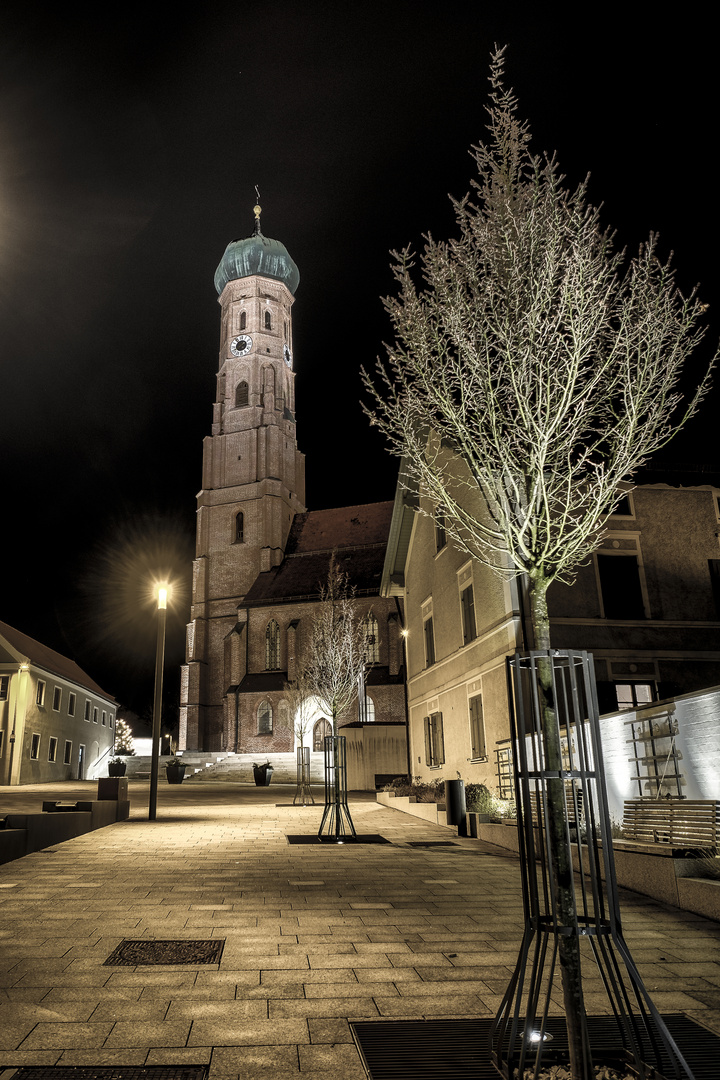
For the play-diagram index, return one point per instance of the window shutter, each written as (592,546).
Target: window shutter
(428,742)
(477,729)
(438,739)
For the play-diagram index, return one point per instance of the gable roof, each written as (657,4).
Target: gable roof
(28,650)
(358,534)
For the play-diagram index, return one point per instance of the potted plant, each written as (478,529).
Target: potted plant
(262,773)
(174,771)
(116,767)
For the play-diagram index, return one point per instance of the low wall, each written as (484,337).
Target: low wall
(374,749)
(407,804)
(22,834)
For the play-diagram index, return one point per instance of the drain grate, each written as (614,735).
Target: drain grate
(143,952)
(311,838)
(432,843)
(456,1049)
(87,1072)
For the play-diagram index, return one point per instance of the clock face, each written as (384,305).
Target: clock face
(288,356)
(241,346)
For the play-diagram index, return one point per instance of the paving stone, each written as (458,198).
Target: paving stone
(69,1036)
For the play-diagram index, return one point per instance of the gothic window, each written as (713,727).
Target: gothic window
(241,395)
(265,718)
(367,711)
(321,729)
(268,321)
(239,527)
(243,320)
(272,646)
(372,641)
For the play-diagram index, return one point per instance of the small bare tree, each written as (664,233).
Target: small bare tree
(299,699)
(338,642)
(530,378)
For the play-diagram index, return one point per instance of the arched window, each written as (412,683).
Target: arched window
(243,320)
(321,728)
(272,646)
(239,527)
(368,713)
(241,395)
(372,640)
(268,321)
(265,718)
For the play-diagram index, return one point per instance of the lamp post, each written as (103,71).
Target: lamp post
(162,593)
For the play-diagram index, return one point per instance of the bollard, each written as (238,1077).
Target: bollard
(455,805)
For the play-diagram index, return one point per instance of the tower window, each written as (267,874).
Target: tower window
(239,527)
(243,320)
(242,396)
(265,719)
(272,646)
(372,643)
(268,321)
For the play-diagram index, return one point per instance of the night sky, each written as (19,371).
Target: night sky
(130,144)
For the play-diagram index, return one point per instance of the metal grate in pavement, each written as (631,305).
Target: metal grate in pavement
(144,952)
(432,843)
(458,1049)
(311,838)
(88,1072)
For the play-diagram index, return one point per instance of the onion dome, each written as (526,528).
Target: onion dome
(257,254)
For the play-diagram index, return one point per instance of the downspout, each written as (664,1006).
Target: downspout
(403,635)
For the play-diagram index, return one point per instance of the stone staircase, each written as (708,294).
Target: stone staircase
(238,768)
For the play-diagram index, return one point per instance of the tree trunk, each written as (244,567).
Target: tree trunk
(559,837)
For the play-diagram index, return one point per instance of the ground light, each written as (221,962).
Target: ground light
(162,595)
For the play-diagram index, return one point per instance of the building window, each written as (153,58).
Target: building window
(35,746)
(111,719)
(243,320)
(242,395)
(429,638)
(265,719)
(624,508)
(372,641)
(268,321)
(434,742)
(632,694)
(57,699)
(4,687)
(71,704)
(40,695)
(52,749)
(67,758)
(95,716)
(620,586)
(367,710)
(440,534)
(272,646)
(478,748)
(321,729)
(239,527)
(104,718)
(467,607)
(87,710)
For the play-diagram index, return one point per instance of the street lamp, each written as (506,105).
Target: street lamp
(162,594)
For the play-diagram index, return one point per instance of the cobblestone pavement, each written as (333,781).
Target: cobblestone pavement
(315,936)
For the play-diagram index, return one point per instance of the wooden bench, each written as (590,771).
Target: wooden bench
(677,823)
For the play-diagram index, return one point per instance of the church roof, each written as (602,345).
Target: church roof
(26,650)
(257,254)
(358,534)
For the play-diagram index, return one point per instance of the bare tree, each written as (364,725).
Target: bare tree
(300,706)
(338,642)
(531,375)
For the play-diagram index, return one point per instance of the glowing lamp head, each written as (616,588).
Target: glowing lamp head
(162,594)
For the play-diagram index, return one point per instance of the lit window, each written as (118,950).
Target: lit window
(4,687)
(632,694)
(477,728)
(67,759)
(434,741)
(57,700)
(367,711)
(40,695)
(239,527)
(467,607)
(35,746)
(242,395)
(272,646)
(71,704)
(372,641)
(52,748)
(265,719)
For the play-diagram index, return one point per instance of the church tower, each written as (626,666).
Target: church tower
(253,480)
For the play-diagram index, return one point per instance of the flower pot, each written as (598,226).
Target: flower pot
(117,768)
(262,775)
(175,773)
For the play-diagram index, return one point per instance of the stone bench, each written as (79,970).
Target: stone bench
(682,825)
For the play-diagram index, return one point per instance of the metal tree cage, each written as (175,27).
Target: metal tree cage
(576,782)
(303,794)
(336,825)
